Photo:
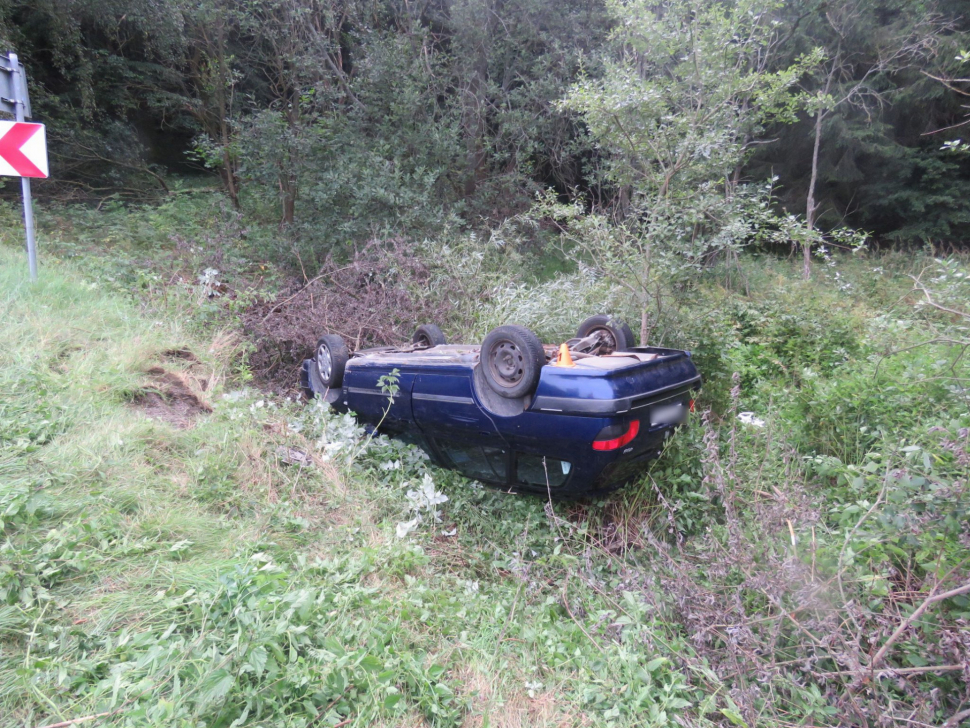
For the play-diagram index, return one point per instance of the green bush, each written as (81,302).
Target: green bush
(846,415)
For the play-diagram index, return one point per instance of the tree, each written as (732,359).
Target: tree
(511,61)
(97,70)
(438,107)
(879,167)
(676,114)
(960,87)
(212,81)
(298,51)
(850,72)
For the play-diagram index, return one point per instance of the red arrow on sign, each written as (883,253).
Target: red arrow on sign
(23,149)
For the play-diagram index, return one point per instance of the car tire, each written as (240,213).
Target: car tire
(428,335)
(330,360)
(511,359)
(621,334)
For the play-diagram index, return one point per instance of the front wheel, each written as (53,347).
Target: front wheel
(428,335)
(511,358)
(619,336)
(330,360)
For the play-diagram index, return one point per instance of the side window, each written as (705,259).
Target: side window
(541,471)
(477,461)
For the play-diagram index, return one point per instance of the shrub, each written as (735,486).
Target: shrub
(846,415)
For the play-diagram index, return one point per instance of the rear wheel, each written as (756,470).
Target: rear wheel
(428,335)
(619,336)
(330,360)
(511,358)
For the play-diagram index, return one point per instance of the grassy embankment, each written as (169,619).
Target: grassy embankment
(163,576)
(173,570)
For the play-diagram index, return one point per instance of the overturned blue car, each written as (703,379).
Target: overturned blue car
(570,421)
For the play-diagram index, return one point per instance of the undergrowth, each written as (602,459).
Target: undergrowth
(798,556)
(161,576)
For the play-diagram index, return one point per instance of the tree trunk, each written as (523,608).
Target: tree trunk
(644,316)
(623,203)
(810,204)
(474,43)
(229,176)
(224,105)
(473,123)
(289,180)
(288,191)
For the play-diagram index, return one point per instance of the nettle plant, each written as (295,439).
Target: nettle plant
(424,501)
(398,465)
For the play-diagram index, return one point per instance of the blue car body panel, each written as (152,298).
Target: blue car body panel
(542,443)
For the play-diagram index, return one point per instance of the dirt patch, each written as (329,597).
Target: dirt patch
(170,397)
(490,706)
(60,361)
(181,354)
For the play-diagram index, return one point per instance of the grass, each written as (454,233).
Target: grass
(166,576)
(174,570)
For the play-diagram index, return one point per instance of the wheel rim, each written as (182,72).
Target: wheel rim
(324,362)
(506,363)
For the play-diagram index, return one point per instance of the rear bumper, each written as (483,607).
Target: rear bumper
(596,473)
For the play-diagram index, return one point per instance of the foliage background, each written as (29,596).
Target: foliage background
(347,119)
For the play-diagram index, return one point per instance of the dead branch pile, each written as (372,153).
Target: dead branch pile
(376,298)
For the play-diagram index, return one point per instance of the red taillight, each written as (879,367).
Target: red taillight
(618,442)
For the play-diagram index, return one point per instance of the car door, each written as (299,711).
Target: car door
(487,463)
(364,395)
(463,434)
(443,406)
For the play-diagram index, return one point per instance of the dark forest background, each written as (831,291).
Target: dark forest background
(342,119)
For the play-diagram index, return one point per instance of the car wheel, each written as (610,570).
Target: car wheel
(511,358)
(428,335)
(620,334)
(330,360)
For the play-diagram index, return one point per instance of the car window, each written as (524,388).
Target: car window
(539,470)
(477,461)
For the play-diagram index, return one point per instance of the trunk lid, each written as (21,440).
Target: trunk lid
(617,384)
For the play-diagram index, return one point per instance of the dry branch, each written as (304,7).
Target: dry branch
(927,603)
(84,719)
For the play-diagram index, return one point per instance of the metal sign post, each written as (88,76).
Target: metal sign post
(23,147)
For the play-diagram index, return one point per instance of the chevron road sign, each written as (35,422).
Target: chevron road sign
(23,149)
